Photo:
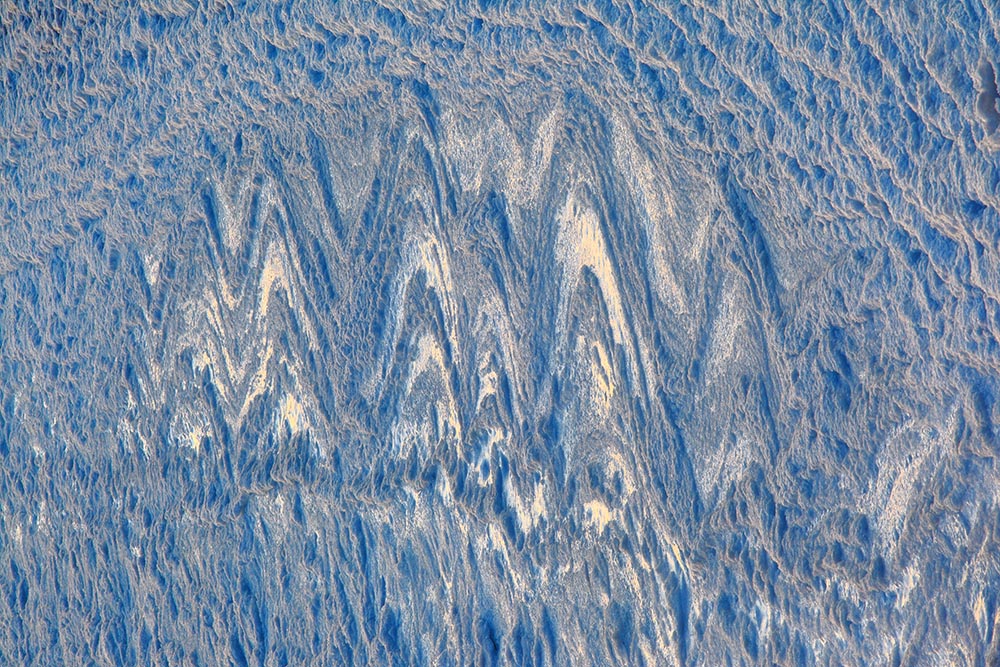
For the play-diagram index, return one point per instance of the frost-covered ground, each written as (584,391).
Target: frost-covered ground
(500,333)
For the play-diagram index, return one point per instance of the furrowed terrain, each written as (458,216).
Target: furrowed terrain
(500,333)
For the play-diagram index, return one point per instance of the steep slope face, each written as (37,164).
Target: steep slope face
(500,334)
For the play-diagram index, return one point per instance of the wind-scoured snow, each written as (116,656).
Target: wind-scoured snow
(500,333)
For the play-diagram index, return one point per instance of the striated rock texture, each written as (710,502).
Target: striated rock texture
(499,333)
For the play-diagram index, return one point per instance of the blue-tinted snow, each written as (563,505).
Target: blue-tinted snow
(500,333)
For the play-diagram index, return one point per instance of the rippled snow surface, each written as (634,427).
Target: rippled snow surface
(500,333)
